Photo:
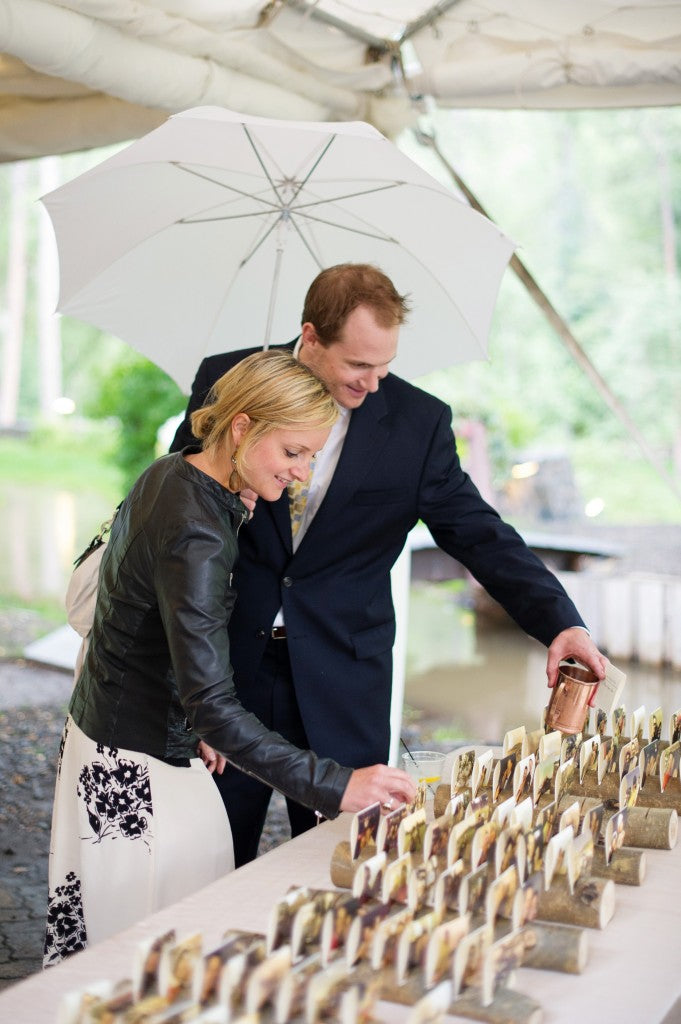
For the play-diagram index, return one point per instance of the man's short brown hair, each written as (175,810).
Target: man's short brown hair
(336,291)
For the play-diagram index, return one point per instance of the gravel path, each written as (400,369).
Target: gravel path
(32,710)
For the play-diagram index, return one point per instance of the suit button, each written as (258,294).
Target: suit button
(261,632)
(287,581)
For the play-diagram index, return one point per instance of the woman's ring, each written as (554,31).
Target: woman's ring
(388,805)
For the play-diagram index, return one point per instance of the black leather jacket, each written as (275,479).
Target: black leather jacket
(157,673)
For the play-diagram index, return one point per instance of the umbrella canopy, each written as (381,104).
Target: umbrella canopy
(204,235)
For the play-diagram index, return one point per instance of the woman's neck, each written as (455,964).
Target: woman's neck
(217,468)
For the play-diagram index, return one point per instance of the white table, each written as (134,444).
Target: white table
(633,973)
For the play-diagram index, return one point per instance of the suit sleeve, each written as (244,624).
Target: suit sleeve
(191,577)
(200,388)
(470,530)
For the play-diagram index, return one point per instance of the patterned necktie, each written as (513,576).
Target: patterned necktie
(298,491)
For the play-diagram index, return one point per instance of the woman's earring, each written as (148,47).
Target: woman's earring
(235,481)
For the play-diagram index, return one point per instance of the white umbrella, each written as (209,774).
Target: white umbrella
(204,235)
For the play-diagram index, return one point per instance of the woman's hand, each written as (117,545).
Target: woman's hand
(213,761)
(379,783)
(249,499)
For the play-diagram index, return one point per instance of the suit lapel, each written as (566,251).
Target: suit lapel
(364,440)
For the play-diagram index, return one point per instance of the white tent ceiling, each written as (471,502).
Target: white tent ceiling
(81,73)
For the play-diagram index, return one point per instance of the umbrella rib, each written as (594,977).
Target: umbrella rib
(351,195)
(229,188)
(255,248)
(262,164)
(316,164)
(344,227)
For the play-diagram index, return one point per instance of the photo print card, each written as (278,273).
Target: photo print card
(580,859)
(455,810)
(501,814)
(367,882)
(588,757)
(630,787)
(421,884)
(360,936)
(337,922)
(628,757)
(549,746)
(649,761)
(531,741)
(282,914)
(413,942)
(473,892)
(593,822)
(462,770)
(601,722)
(469,957)
(529,903)
(388,827)
(543,783)
(570,816)
(523,774)
(619,722)
(147,960)
(566,774)
(655,725)
(235,974)
(669,764)
(483,770)
(502,780)
(609,690)
(479,809)
(513,741)
(556,855)
(482,848)
(638,721)
(441,948)
(209,974)
(396,880)
(500,895)
(607,762)
(447,885)
(461,841)
(615,832)
(521,815)
(363,830)
(306,931)
(324,993)
(675,727)
(534,850)
(412,832)
(291,997)
(511,851)
(501,961)
(436,838)
(265,979)
(386,938)
(546,816)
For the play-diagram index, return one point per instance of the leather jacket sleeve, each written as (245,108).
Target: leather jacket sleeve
(193,582)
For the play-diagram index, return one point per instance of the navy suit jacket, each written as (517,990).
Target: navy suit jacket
(399,464)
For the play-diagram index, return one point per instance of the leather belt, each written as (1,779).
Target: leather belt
(278,632)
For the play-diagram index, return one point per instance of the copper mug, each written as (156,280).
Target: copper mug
(568,706)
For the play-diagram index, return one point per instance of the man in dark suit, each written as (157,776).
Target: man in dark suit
(313,627)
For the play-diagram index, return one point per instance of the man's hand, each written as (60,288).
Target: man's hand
(378,784)
(249,499)
(574,643)
(213,761)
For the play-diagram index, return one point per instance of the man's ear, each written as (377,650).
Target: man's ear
(308,334)
(239,427)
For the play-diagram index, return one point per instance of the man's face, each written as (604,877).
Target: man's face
(357,362)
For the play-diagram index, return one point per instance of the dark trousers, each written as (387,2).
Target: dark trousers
(246,799)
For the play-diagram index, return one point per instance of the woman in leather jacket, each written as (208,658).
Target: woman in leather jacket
(137,821)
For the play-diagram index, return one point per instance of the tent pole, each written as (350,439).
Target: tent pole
(560,326)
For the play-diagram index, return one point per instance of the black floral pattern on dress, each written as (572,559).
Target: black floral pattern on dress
(65,932)
(117,795)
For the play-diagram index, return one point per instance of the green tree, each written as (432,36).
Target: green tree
(140,397)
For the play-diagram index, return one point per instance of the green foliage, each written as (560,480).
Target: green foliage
(71,456)
(140,397)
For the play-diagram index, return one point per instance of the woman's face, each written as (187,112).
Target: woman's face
(280,457)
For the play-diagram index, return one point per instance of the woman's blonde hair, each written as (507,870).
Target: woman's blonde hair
(274,390)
